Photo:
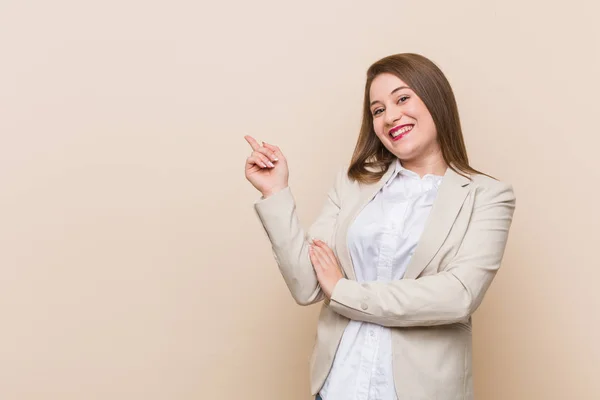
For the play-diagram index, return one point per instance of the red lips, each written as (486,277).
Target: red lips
(397,128)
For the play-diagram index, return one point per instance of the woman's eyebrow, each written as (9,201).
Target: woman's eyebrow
(392,92)
(399,88)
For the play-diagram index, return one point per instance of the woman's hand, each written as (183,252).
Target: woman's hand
(325,265)
(266,168)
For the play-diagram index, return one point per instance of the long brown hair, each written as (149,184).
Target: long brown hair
(429,83)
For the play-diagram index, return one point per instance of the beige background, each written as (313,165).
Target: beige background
(132,263)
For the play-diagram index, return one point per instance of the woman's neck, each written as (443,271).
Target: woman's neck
(424,167)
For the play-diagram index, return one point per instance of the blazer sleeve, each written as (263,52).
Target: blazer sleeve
(289,241)
(449,296)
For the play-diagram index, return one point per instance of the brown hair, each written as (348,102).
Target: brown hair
(429,83)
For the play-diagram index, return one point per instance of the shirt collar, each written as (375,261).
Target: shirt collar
(397,169)
(400,170)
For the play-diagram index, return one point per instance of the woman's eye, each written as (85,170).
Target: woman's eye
(402,97)
(377,111)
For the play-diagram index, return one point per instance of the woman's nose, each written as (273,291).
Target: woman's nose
(392,116)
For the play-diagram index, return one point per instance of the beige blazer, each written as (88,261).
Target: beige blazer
(429,310)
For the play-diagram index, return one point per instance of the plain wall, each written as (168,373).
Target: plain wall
(132,263)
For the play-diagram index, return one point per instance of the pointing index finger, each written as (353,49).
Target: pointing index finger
(253,143)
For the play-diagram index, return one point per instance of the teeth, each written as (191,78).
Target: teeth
(401,131)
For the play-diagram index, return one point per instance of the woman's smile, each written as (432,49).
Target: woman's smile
(399,132)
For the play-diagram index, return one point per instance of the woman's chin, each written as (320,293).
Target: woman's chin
(402,151)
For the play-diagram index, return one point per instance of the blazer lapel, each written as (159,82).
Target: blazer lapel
(450,198)
(366,194)
(451,195)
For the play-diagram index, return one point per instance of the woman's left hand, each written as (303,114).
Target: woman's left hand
(325,265)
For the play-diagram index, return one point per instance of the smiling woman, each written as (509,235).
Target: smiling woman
(410,236)
(408,93)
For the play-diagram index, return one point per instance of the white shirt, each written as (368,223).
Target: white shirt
(381,240)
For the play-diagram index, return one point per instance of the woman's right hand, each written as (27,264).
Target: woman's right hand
(266,168)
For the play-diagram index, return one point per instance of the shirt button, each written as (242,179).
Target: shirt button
(364,306)
(372,333)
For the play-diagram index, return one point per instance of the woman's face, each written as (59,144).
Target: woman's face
(401,120)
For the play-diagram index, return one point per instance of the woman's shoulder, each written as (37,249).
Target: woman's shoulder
(491,188)
(342,180)
(343,185)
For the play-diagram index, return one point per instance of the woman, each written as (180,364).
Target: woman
(407,243)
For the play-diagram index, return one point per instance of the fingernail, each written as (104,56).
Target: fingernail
(263,165)
(271,164)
